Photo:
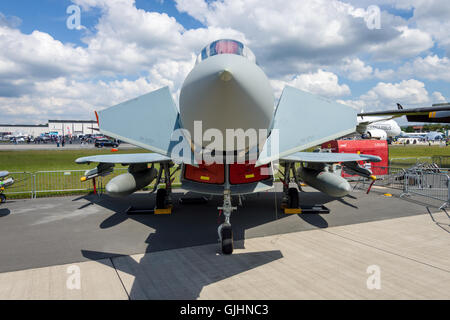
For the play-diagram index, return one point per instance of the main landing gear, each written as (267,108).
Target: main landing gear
(225,231)
(163,196)
(290,202)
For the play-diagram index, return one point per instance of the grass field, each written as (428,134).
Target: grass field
(399,151)
(46,160)
(32,161)
(57,160)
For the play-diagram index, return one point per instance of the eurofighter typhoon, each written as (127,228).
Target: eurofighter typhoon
(227,138)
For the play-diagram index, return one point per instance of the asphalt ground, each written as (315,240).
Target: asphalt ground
(55,231)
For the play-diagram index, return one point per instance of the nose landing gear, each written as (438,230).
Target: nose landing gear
(225,231)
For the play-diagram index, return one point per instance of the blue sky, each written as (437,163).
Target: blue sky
(130,47)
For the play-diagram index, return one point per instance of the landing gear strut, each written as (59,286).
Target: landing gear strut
(163,196)
(225,231)
(290,198)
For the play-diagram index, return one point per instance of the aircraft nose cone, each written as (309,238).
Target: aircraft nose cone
(226,92)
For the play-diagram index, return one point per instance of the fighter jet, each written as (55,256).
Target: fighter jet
(4,183)
(227,97)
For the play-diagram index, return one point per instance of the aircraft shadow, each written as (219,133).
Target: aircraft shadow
(196,224)
(163,276)
(193,225)
(4,212)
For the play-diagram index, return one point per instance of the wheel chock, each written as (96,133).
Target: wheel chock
(134,211)
(315,209)
(292,210)
(164,211)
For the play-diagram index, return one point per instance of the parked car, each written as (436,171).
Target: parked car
(100,143)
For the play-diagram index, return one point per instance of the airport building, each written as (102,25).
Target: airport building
(53,127)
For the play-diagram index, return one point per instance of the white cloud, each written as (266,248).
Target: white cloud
(134,51)
(317,32)
(431,67)
(321,83)
(356,70)
(409,43)
(384,96)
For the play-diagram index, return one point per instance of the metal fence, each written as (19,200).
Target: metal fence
(442,161)
(392,177)
(428,184)
(427,180)
(23,184)
(44,183)
(423,180)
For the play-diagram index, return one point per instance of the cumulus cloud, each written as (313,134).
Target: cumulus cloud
(411,93)
(431,67)
(356,70)
(322,83)
(311,45)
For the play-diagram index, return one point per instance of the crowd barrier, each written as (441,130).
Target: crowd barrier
(427,181)
(43,183)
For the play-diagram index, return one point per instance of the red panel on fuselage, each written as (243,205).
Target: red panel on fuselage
(211,174)
(246,173)
(215,173)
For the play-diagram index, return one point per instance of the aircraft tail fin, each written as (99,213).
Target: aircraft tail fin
(399,106)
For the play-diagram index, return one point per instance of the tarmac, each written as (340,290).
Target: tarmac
(368,247)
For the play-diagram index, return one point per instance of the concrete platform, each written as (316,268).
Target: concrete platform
(411,253)
(176,257)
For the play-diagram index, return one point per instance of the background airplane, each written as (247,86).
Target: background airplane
(375,127)
(227,90)
(379,124)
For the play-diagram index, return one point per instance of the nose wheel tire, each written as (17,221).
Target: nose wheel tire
(226,234)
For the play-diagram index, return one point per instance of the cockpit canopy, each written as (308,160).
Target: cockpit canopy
(226,46)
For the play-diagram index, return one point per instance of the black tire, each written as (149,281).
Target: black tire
(161,196)
(227,240)
(293,198)
(2,198)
